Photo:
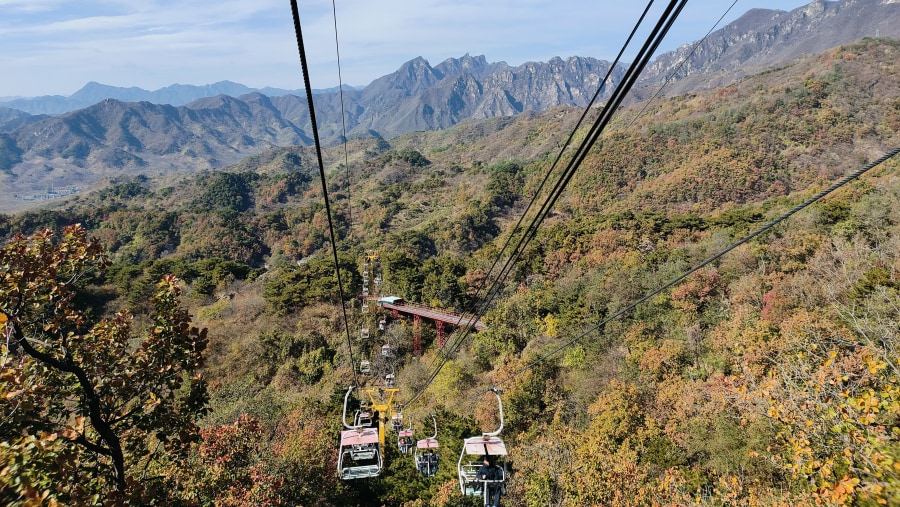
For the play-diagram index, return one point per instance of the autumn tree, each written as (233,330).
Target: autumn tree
(91,411)
(227,468)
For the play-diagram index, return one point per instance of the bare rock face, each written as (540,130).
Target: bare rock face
(764,38)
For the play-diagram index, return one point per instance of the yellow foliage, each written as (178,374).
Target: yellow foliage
(551,325)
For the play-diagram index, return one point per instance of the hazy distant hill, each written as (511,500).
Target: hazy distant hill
(112,137)
(11,119)
(175,95)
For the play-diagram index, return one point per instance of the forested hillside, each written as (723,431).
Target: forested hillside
(768,377)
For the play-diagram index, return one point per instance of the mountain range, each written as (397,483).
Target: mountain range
(129,130)
(175,95)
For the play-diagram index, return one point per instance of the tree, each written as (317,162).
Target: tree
(291,288)
(92,412)
(231,191)
(228,469)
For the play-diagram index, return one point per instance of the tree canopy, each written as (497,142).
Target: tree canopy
(93,411)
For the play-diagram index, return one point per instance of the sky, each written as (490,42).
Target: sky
(54,47)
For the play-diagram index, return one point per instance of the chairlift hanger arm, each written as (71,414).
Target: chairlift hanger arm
(344,416)
(500,403)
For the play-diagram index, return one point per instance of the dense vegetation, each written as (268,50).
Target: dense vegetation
(770,377)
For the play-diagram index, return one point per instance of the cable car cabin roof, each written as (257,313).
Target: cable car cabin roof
(354,437)
(405,433)
(493,446)
(428,443)
(391,300)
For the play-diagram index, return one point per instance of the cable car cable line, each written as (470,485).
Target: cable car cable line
(599,125)
(697,267)
(480,309)
(670,13)
(315,131)
(493,291)
(337,50)
(680,65)
(510,262)
(666,82)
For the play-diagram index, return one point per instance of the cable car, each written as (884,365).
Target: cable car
(405,440)
(488,446)
(382,324)
(364,418)
(390,381)
(364,333)
(359,455)
(426,455)
(397,422)
(386,350)
(365,366)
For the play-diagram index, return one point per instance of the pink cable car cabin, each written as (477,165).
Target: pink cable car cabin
(360,456)
(475,450)
(470,460)
(405,440)
(427,456)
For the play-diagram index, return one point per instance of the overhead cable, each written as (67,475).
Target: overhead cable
(681,64)
(475,308)
(701,265)
(656,36)
(337,49)
(315,131)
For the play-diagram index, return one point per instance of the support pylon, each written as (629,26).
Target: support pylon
(417,335)
(439,328)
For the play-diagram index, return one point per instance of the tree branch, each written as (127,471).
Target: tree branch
(114,449)
(91,446)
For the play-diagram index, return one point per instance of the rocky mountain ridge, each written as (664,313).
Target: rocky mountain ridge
(763,38)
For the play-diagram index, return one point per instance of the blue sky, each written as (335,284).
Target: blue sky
(54,47)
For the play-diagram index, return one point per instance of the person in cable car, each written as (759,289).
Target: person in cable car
(432,459)
(405,444)
(488,471)
(428,464)
(364,418)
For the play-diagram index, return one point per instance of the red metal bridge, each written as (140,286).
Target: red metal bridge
(399,307)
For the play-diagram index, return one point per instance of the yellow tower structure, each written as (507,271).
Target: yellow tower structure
(382,400)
